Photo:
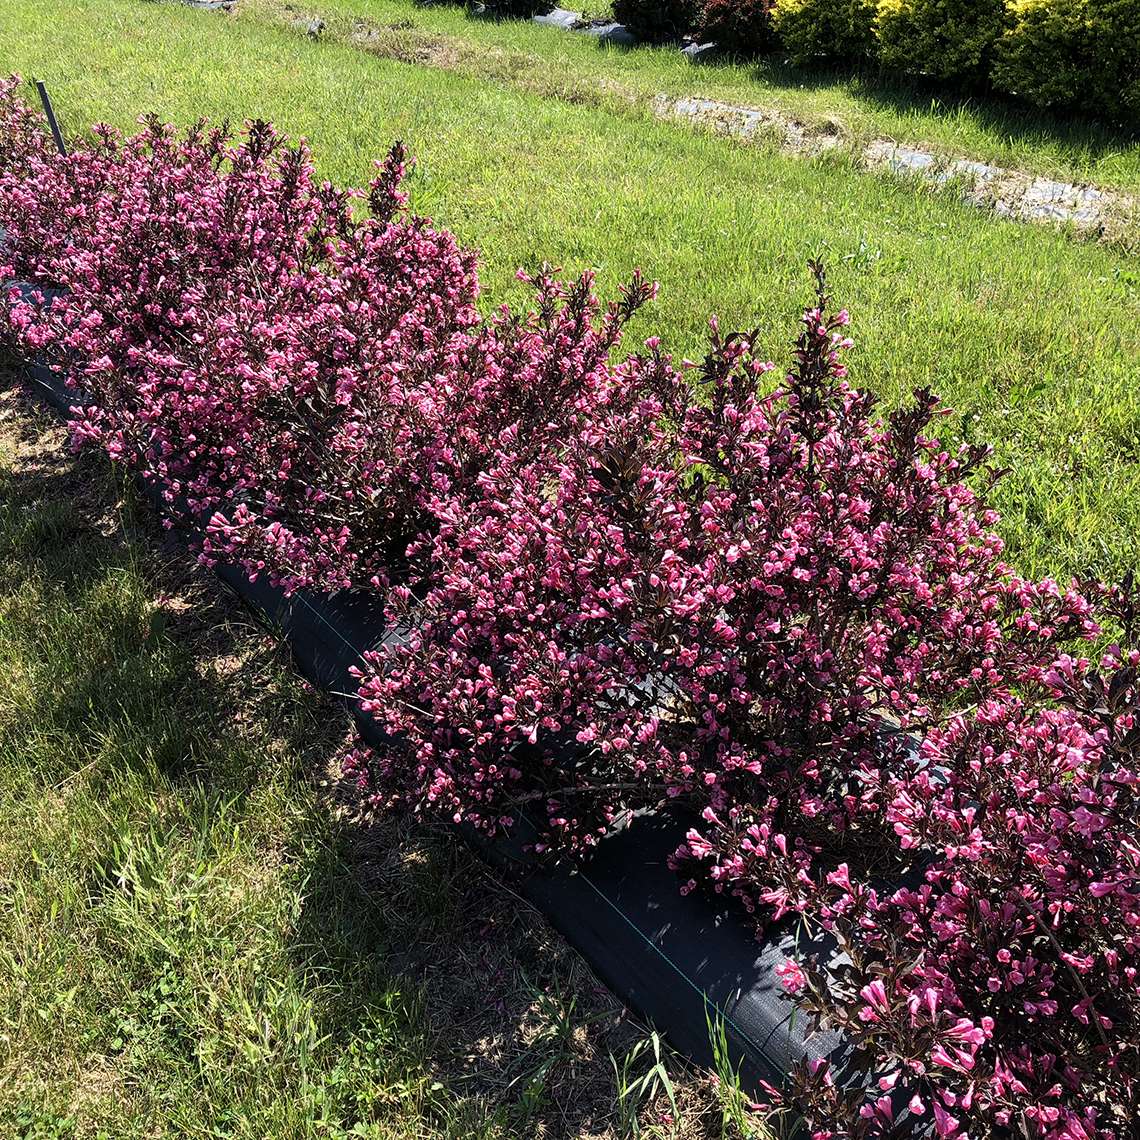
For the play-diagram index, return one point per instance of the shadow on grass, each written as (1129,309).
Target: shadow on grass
(1003,117)
(105,661)
(908,97)
(513,1033)
(431,982)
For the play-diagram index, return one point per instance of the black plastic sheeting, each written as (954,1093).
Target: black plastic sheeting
(679,961)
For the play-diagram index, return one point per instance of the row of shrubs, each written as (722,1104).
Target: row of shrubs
(1074,54)
(735,591)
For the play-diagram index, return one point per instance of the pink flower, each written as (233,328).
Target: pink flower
(791,977)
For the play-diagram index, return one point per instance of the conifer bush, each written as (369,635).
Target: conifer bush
(821,30)
(947,40)
(1082,55)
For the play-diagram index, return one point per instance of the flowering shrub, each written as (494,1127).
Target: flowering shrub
(758,600)
(227,323)
(526,629)
(1002,991)
(783,574)
(22,139)
(756,605)
(304,382)
(739,27)
(658,21)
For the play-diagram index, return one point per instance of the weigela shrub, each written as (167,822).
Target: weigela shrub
(738,543)
(737,27)
(1083,55)
(22,138)
(525,629)
(760,602)
(227,323)
(1001,991)
(658,21)
(392,466)
(302,381)
(755,605)
(949,40)
(827,30)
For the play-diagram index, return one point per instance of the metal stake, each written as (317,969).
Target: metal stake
(55,131)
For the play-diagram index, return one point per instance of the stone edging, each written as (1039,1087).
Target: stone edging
(1008,193)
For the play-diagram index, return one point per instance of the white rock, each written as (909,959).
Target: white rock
(559,18)
(612,34)
(697,51)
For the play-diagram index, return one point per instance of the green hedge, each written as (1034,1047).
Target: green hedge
(949,40)
(1079,55)
(1073,53)
(831,30)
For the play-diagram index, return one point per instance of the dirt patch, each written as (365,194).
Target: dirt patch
(406,44)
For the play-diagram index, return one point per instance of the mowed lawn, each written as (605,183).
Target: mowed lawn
(858,104)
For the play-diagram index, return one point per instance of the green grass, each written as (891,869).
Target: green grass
(523,54)
(163,968)
(194,942)
(1031,336)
